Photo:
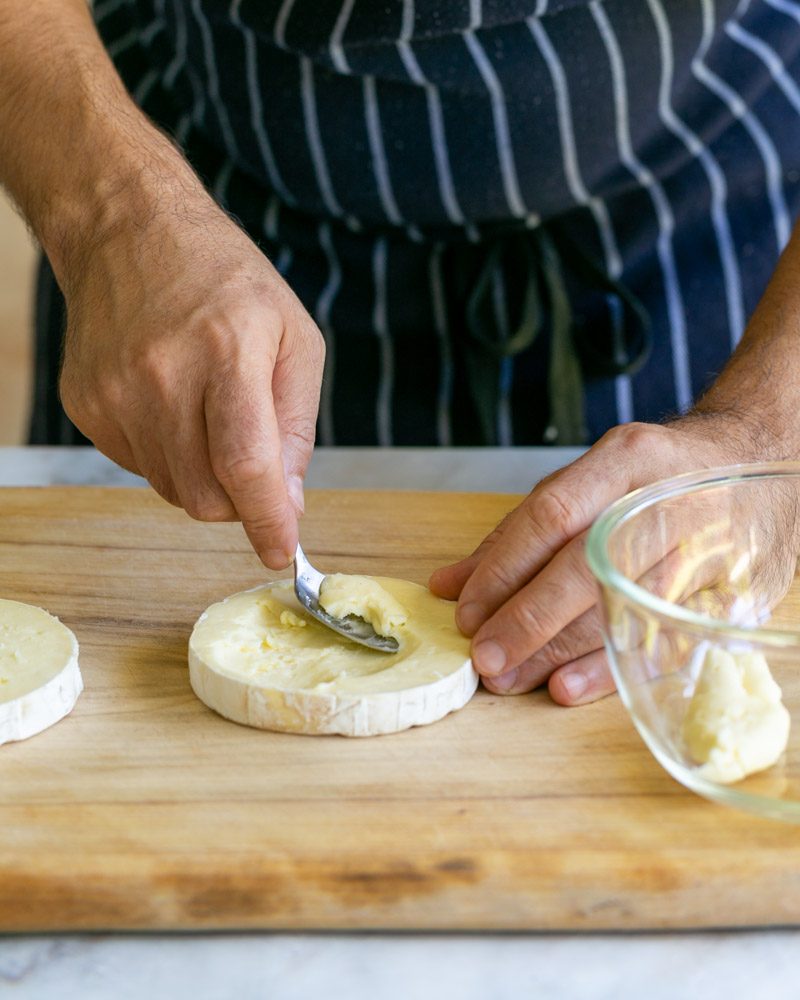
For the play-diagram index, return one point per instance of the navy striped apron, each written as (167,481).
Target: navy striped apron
(515,221)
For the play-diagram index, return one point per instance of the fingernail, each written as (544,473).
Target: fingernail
(489,657)
(505,681)
(575,684)
(277,558)
(470,617)
(294,487)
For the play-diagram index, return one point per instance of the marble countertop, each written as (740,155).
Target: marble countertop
(492,470)
(712,965)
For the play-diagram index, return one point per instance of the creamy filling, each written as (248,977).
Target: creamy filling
(342,595)
(736,723)
(266,638)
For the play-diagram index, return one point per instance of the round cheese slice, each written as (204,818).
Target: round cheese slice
(260,659)
(39,675)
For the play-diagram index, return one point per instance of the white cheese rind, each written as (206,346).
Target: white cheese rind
(316,711)
(32,711)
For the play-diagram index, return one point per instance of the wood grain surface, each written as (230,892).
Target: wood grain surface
(145,810)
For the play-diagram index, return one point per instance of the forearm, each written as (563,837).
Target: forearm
(760,385)
(76,154)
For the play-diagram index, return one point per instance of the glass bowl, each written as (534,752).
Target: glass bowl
(694,571)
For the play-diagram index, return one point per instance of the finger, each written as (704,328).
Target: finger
(189,463)
(582,636)
(585,680)
(95,422)
(448,581)
(114,445)
(296,386)
(146,460)
(245,453)
(149,457)
(536,614)
(557,510)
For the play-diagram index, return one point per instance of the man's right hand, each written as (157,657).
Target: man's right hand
(187,357)
(190,361)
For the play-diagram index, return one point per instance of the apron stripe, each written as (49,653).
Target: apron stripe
(281,21)
(213,81)
(713,171)
(314,138)
(666,221)
(322,314)
(574,179)
(444,400)
(502,134)
(338,57)
(380,166)
(257,122)
(505,424)
(436,119)
(739,110)
(380,320)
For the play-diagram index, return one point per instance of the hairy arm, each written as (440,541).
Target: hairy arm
(187,358)
(75,151)
(526,596)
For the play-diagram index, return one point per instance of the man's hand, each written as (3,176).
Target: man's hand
(189,360)
(526,596)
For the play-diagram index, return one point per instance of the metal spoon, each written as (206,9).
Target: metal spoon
(307,583)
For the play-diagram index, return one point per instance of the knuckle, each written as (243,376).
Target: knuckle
(635,436)
(299,439)
(112,395)
(233,338)
(528,621)
(154,370)
(531,674)
(552,654)
(149,362)
(313,339)
(551,514)
(89,406)
(494,576)
(164,487)
(73,402)
(569,644)
(243,470)
(209,508)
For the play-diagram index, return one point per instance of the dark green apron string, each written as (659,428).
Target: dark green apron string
(544,255)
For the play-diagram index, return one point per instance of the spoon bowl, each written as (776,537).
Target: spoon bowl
(307,584)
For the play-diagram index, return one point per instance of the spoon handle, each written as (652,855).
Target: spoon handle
(304,573)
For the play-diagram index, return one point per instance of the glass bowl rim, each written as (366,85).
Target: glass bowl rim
(601,565)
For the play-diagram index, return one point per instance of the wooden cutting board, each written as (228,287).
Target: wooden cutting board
(145,810)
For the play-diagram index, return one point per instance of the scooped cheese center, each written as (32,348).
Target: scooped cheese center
(264,637)
(342,595)
(736,723)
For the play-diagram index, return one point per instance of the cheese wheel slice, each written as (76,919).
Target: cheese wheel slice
(260,659)
(39,675)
